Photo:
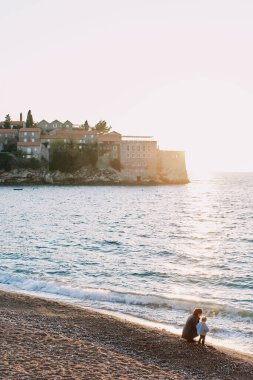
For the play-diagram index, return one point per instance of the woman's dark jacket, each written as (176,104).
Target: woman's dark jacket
(190,329)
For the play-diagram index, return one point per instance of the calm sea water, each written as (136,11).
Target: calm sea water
(154,253)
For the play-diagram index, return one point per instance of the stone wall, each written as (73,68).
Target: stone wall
(172,166)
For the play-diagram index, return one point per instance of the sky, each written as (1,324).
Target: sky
(178,70)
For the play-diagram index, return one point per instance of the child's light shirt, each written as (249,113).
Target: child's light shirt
(202,328)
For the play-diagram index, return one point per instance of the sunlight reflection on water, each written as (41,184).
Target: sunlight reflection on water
(157,251)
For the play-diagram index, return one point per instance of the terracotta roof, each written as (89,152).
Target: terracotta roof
(73,131)
(30,130)
(61,137)
(109,137)
(75,136)
(28,144)
(3,131)
(49,137)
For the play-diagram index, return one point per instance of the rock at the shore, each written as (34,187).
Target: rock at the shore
(81,177)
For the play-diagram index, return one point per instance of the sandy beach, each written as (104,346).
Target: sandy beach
(42,339)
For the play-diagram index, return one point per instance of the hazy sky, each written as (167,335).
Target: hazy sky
(180,70)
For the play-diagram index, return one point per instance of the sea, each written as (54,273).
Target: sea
(149,254)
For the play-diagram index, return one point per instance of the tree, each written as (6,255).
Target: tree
(29,120)
(101,127)
(85,126)
(67,157)
(7,122)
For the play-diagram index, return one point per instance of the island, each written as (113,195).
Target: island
(64,153)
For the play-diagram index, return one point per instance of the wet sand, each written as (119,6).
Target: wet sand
(42,339)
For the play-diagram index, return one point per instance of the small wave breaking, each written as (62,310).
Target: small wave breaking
(20,283)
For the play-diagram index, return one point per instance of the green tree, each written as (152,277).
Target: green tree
(85,126)
(7,122)
(29,120)
(101,127)
(67,157)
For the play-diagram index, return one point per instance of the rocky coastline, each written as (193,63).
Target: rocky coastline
(84,176)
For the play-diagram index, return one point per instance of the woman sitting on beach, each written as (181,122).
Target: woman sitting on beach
(190,328)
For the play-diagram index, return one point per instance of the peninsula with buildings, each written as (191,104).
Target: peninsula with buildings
(63,153)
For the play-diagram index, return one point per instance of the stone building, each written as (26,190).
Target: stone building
(67,125)
(86,136)
(78,137)
(138,157)
(109,149)
(15,124)
(172,166)
(31,149)
(54,125)
(8,139)
(30,144)
(29,134)
(44,125)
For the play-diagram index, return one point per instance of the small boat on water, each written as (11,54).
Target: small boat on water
(18,189)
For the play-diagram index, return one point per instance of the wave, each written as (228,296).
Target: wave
(128,298)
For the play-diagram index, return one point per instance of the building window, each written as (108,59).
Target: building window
(144,147)
(133,155)
(29,150)
(32,140)
(25,140)
(128,147)
(115,147)
(80,146)
(128,155)
(25,133)
(32,133)
(133,147)
(6,135)
(65,140)
(138,147)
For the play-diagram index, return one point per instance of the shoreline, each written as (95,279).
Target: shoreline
(170,330)
(95,184)
(84,177)
(69,302)
(60,341)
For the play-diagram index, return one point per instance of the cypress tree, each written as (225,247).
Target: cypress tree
(29,120)
(85,126)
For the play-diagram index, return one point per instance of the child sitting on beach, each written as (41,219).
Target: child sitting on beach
(202,330)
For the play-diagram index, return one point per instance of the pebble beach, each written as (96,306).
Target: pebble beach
(42,339)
